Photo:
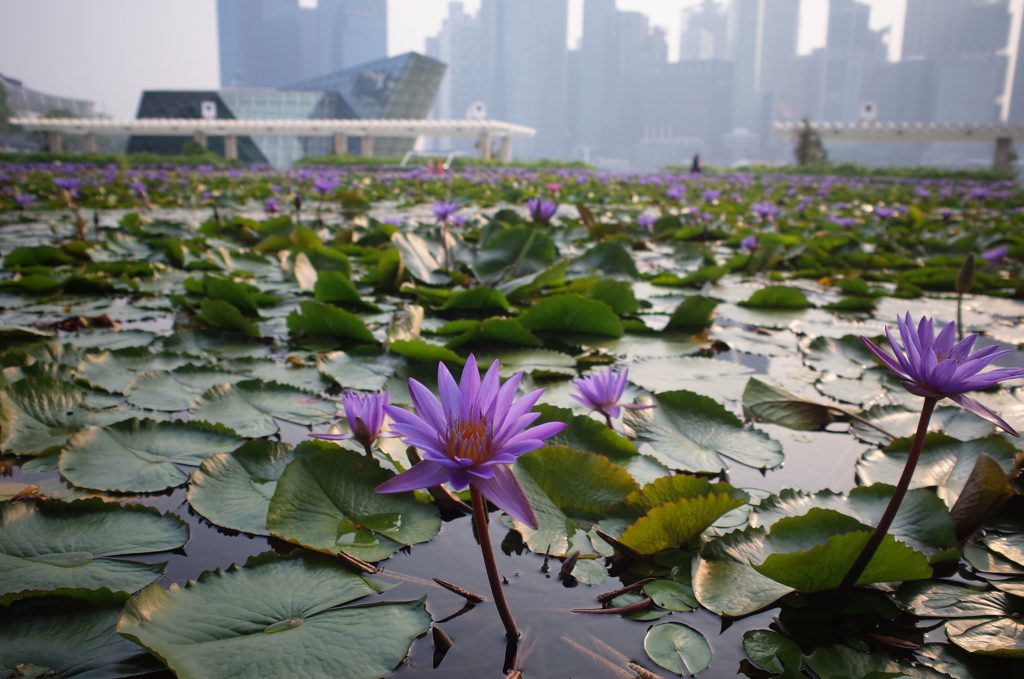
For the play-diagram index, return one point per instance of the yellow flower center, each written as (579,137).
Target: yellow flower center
(469,439)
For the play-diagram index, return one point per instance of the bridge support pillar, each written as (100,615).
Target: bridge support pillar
(484,142)
(340,144)
(1003,158)
(506,149)
(200,138)
(231,147)
(366,146)
(90,143)
(55,141)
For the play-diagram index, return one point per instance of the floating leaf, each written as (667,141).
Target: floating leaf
(764,402)
(492,331)
(274,617)
(67,548)
(572,313)
(234,489)
(140,456)
(482,299)
(226,316)
(419,257)
(695,372)
(694,312)
(369,373)
(176,389)
(316,318)
(777,297)
(326,501)
(678,648)
(250,407)
(424,352)
(114,370)
(724,581)
(75,638)
(571,492)
(39,414)
(611,259)
(773,652)
(513,253)
(689,432)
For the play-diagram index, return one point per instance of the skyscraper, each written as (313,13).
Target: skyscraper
(704,33)
(268,43)
(853,51)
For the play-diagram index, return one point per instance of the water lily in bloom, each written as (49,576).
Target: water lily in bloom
(675,192)
(365,415)
(646,222)
(541,209)
(602,391)
(471,436)
(764,209)
(938,367)
(444,210)
(749,243)
(325,184)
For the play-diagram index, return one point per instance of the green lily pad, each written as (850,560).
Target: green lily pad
(611,259)
(724,581)
(945,463)
(514,253)
(274,617)
(250,407)
(696,372)
(490,331)
(351,371)
(571,492)
(764,402)
(777,297)
(326,501)
(773,652)
(291,372)
(316,318)
(424,352)
(477,299)
(981,621)
(226,316)
(38,414)
(572,313)
(420,258)
(140,456)
(694,312)
(234,489)
(813,553)
(690,432)
(678,648)
(176,389)
(65,548)
(846,356)
(75,638)
(114,370)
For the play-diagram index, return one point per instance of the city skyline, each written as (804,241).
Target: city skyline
(105,50)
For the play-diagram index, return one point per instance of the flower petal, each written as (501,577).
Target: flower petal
(505,492)
(421,475)
(980,410)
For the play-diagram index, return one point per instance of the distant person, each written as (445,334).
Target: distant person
(695,166)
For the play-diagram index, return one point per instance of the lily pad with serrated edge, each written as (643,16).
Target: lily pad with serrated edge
(141,456)
(249,407)
(66,548)
(326,501)
(274,617)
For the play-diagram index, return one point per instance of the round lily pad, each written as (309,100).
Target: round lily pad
(678,648)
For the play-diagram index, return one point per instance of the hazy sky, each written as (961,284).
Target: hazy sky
(110,50)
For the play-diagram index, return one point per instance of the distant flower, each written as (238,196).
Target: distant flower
(457,220)
(845,222)
(993,256)
(602,391)
(541,209)
(140,190)
(365,414)
(937,368)
(646,222)
(271,206)
(69,184)
(711,195)
(24,200)
(749,243)
(554,187)
(675,192)
(325,184)
(883,212)
(764,209)
(443,210)
(471,436)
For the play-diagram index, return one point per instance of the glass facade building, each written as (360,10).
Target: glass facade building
(397,87)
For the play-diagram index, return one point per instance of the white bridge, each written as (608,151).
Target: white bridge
(1002,135)
(201,129)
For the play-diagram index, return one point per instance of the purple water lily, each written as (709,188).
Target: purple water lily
(602,390)
(444,210)
(471,436)
(675,192)
(365,415)
(646,222)
(271,206)
(764,209)
(325,184)
(24,200)
(541,209)
(937,367)
(749,243)
(993,256)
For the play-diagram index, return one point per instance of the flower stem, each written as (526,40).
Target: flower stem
(959,316)
(897,497)
(480,521)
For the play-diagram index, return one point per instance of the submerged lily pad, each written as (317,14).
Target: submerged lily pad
(326,501)
(141,456)
(75,638)
(274,617)
(67,548)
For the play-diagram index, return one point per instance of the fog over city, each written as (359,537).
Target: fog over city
(633,84)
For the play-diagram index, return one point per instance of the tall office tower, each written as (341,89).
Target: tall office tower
(268,43)
(853,51)
(641,50)
(762,37)
(704,33)
(458,45)
(596,61)
(931,27)
(525,69)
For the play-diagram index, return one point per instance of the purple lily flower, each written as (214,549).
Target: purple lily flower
(365,414)
(601,391)
(325,184)
(541,209)
(444,210)
(764,209)
(937,368)
(883,212)
(749,243)
(24,200)
(471,436)
(711,195)
(993,256)
(69,184)
(646,222)
(271,206)
(675,192)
